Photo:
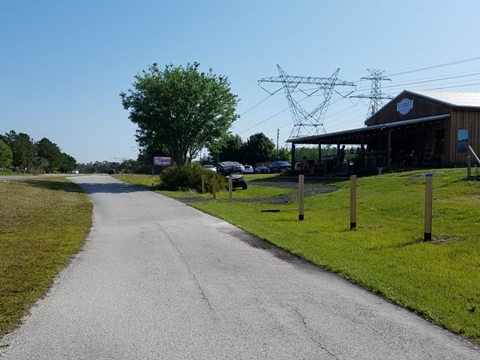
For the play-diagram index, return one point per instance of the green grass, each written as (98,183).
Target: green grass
(42,224)
(152,182)
(44,221)
(439,280)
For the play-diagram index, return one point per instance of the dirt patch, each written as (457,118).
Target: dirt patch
(311,188)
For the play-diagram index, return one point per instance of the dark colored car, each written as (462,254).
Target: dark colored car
(278,166)
(111,172)
(234,170)
(262,169)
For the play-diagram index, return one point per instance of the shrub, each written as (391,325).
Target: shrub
(189,178)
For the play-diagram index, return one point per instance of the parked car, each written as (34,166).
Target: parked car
(247,169)
(278,166)
(234,170)
(210,167)
(75,171)
(111,171)
(262,170)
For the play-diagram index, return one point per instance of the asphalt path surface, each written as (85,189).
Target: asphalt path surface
(158,279)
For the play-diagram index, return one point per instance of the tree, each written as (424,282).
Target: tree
(230,149)
(282,154)
(23,149)
(68,163)
(49,154)
(258,148)
(180,108)
(6,155)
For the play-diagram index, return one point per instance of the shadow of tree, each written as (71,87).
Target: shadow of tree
(87,187)
(110,188)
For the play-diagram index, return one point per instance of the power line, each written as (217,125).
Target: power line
(391,88)
(437,66)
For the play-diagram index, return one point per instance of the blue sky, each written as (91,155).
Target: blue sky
(64,63)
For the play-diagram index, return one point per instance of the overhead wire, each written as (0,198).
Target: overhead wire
(391,88)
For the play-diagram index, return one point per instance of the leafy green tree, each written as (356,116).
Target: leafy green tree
(6,155)
(180,108)
(281,154)
(310,153)
(230,149)
(49,154)
(258,148)
(23,149)
(68,163)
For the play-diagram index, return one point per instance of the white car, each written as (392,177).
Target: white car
(75,171)
(247,169)
(210,167)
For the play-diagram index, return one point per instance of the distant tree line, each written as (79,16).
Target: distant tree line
(127,166)
(257,149)
(19,152)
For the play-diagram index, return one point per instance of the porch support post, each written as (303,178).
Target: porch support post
(319,162)
(338,154)
(389,148)
(293,156)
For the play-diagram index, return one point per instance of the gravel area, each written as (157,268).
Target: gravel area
(311,188)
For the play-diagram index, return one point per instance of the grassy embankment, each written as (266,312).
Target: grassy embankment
(42,224)
(439,280)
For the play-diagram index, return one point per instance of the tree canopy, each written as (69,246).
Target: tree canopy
(6,155)
(19,152)
(23,149)
(49,154)
(180,108)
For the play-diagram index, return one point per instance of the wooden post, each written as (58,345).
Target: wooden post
(230,187)
(203,184)
(301,208)
(428,207)
(469,166)
(353,202)
(214,187)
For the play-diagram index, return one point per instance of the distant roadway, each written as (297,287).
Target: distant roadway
(157,279)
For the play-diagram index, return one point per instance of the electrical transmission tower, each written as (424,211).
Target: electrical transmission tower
(307,123)
(376,96)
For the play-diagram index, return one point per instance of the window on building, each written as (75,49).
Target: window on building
(462,141)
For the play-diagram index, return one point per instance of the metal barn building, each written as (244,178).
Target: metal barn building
(436,126)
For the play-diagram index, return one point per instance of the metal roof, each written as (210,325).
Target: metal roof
(354,134)
(467,99)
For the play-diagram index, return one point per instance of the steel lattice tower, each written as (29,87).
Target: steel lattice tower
(307,123)
(376,95)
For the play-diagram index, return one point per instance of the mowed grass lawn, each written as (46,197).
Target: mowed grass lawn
(439,280)
(43,222)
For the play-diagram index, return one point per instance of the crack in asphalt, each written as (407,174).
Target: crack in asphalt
(203,294)
(310,333)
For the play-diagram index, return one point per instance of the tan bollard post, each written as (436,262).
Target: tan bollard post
(427,236)
(469,166)
(301,187)
(214,186)
(353,202)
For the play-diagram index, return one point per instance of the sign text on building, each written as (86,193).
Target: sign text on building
(404,106)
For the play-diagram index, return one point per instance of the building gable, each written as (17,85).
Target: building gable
(408,106)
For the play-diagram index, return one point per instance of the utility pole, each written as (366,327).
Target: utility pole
(278,136)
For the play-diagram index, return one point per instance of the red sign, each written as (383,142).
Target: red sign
(162,161)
